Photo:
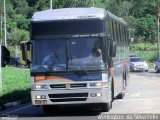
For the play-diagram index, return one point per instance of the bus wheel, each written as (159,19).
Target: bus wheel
(105,107)
(122,93)
(50,108)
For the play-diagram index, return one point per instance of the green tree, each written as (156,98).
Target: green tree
(146,26)
(118,7)
(21,21)
(43,4)
(140,15)
(17,35)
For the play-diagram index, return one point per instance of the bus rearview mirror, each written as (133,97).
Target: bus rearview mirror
(25,48)
(113,48)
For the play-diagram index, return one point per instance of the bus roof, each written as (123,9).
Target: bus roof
(119,19)
(73,13)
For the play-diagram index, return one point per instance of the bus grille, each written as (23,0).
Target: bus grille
(72,85)
(58,86)
(68,97)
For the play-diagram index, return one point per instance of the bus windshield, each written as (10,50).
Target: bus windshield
(67,54)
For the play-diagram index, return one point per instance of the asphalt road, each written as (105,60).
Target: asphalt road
(142,96)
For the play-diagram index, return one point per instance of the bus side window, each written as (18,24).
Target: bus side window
(114,31)
(117,33)
(111,27)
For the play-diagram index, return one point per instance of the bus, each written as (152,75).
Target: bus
(80,56)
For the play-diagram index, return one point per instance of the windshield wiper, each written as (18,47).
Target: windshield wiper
(43,68)
(82,67)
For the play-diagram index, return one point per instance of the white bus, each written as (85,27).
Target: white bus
(79,57)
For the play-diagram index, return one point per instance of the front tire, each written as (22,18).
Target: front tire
(105,107)
(50,108)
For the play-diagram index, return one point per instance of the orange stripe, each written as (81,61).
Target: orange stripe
(111,71)
(42,78)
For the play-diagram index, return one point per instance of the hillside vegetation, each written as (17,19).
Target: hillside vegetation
(140,15)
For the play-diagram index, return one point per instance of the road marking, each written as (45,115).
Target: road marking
(126,94)
(155,81)
(143,99)
(135,95)
(19,109)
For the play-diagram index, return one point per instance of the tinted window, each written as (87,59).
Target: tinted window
(67,27)
(67,54)
(136,59)
(51,53)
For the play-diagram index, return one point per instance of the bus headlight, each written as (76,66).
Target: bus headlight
(40,96)
(39,87)
(96,94)
(98,84)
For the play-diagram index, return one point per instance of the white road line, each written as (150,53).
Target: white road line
(135,95)
(143,99)
(155,81)
(19,109)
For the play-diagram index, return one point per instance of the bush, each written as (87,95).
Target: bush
(143,47)
(149,56)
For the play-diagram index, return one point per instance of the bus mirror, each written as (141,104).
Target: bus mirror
(105,50)
(25,56)
(5,56)
(113,47)
(104,55)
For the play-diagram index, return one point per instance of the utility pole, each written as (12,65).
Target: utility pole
(93,3)
(5,31)
(158,34)
(158,43)
(1,30)
(51,4)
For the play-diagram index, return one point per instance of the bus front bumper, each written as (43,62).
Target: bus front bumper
(70,96)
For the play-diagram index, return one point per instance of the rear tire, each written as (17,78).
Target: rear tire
(122,94)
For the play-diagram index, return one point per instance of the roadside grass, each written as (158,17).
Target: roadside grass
(16,85)
(143,47)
